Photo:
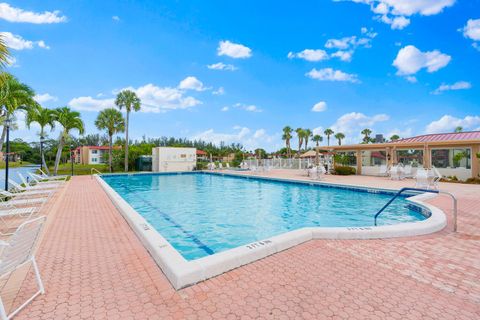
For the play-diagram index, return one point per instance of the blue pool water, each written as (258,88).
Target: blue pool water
(201,214)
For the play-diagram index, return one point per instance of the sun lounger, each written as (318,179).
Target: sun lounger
(44,185)
(30,190)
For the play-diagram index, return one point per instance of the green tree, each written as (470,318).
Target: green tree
(328,132)
(69,120)
(111,120)
(339,136)
(395,137)
(127,99)
(366,135)
(45,118)
(287,135)
(459,129)
(14,96)
(317,139)
(308,135)
(300,134)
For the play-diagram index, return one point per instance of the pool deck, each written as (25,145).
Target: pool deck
(94,267)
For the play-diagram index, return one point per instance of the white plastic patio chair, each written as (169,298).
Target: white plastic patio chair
(39,180)
(407,171)
(18,251)
(421,179)
(395,173)
(30,190)
(44,185)
(436,176)
(227,165)
(220,166)
(383,170)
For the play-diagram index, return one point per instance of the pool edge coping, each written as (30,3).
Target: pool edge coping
(182,273)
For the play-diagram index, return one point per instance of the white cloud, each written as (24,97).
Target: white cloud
(116,18)
(346,46)
(247,137)
(411,79)
(233,50)
(45,97)
(248,107)
(319,106)
(154,99)
(343,43)
(448,123)
(220,91)
(343,55)
(309,55)
(222,66)
(472,31)
(351,124)
(16,42)
(394,12)
(410,60)
(192,83)
(224,109)
(329,74)
(459,85)
(91,104)
(12,14)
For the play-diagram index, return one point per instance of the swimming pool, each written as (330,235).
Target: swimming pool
(201,214)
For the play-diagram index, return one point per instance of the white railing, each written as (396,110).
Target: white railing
(279,163)
(93,170)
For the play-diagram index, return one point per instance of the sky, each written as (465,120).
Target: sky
(239,71)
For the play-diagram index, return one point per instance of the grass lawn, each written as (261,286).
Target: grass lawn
(14,164)
(79,169)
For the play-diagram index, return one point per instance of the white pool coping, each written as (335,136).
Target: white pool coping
(182,273)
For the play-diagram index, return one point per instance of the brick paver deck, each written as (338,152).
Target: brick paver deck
(94,267)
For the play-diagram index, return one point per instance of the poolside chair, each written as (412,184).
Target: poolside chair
(421,179)
(407,171)
(220,166)
(12,212)
(38,179)
(227,165)
(28,184)
(437,176)
(47,177)
(395,173)
(30,190)
(17,252)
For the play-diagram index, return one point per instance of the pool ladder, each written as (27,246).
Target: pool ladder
(422,190)
(92,171)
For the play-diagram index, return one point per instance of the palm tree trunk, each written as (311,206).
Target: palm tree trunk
(44,163)
(126,142)
(2,139)
(59,154)
(110,153)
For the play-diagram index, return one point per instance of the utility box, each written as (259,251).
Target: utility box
(143,163)
(171,159)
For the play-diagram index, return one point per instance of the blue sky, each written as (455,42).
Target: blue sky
(239,71)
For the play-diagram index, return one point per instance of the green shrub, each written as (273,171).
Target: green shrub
(473,180)
(344,170)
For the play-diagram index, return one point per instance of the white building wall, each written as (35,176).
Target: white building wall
(169,159)
(98,157)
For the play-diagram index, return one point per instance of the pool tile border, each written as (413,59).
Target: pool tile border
(181,272)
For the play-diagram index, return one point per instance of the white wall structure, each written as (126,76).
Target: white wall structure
(170,159)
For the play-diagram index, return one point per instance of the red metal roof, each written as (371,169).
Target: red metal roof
(201,153)
(99,147)
(455,136)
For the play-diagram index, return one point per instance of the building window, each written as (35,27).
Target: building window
(94,159)
(413,157)
(372,158)
(451,158)
(94,151)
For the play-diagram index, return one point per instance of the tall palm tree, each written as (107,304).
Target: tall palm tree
(366,132)
(300,134)
(127,99)
(339,136)
(287,135)
(328,132)
(112,120)
(14,96)
(308,135)
(4,52)
(45,118)
(69,120)
(317,139)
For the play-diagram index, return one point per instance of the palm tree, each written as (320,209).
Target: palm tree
(45,118)
(14,96)
(69,120)
(366,132)
(395,137)
(339,136)
(287,135)
(112,120)
(458,129)
(328,132)
(308,135)
(317,139)
(300,134)
(127,99)
(4,53)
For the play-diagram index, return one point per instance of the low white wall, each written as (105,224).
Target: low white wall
(460,173)
(169,159)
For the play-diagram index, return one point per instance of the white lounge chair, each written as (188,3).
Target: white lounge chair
(220,166)
(38,179)
(227,165)
(30,190)
(47,177)
(23,198)
(18,251)
(44,185)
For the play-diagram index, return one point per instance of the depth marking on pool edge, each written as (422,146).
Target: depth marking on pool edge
(165,216)
(258,244)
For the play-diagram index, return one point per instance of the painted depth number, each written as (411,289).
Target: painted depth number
(258,244)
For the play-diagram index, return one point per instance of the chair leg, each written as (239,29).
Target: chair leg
(3,313)
(37,275)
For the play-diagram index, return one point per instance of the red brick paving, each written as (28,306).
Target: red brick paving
(94,267)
